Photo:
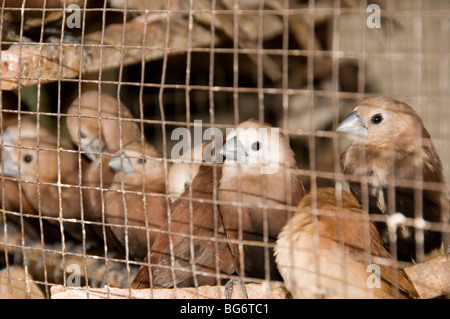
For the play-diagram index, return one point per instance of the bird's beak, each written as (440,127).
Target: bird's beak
(95,146)
(9,167)
(120,162)
(8,139)
(352,124)
(233,150)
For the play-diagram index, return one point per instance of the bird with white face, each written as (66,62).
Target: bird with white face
(136,200)
(257,190)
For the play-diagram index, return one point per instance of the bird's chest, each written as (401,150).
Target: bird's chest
(252,208)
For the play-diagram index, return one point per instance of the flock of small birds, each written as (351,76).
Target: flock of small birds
(198,223)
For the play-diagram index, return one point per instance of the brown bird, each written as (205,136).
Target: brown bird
(136,201)
(329,250)
(393,145)
(49,178)
(257,189)
(195,231)
(97,123)
(14,129)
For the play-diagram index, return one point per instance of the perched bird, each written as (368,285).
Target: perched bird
(48,176)
(99,123)
(96,124)
(257,189)
(329,248)
(14,199)
(136,200)
(195,231)
(14,129)
(393,145)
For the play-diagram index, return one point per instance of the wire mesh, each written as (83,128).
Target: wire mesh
(93,93)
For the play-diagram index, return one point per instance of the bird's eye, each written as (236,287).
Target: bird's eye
(82,135)
(28,158)
(256,146)
(186,184)
(376,119)
(142,161)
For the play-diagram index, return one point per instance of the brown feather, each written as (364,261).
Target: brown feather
(136,202)
(328,256)
(193,209)
(398,148)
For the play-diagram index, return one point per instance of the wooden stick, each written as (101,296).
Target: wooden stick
(254,291)
(432,278)
(28,64)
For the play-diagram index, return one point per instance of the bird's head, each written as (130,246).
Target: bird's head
(29,161)
(256,146)
(383,121)
(138,162)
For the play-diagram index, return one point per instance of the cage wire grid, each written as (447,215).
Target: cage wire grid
(300,66)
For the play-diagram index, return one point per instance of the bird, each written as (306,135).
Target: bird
(392,144)
(14,129)
(48,172)
(97,126)
(330,249)
(194,236)
(258,187)
(136,200)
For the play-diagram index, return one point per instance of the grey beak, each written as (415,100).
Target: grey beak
(9,167)
(8,139)
(233,150)
(121,162)
(353,124)
(94,147)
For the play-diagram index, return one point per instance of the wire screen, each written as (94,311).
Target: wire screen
(214,148)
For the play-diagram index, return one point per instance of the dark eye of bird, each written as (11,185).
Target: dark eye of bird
(142,161)
(256,146)
(28,158)
(82,135)
(377,119)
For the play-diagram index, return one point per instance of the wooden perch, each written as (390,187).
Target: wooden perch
(147,37)
(432,278)
(16,284)
(29,64)
(254,291)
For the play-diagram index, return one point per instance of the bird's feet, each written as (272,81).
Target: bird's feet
(229,286)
